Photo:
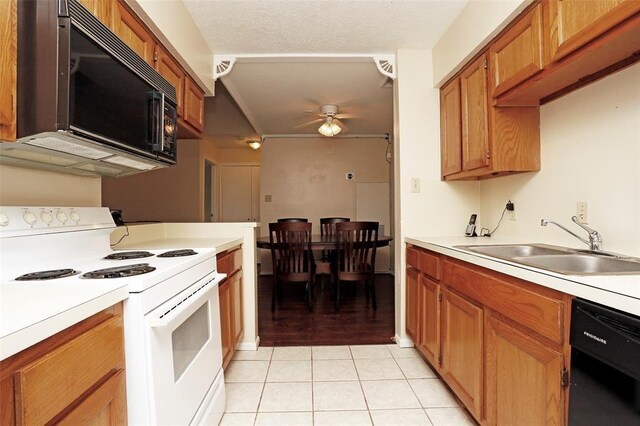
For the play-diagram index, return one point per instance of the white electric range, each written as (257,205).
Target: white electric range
(172,318)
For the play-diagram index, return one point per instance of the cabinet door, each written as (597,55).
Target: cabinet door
(517,55)
(523,378)
(226,321)
(133,33)
(8,63)
(193,105)
(573,23)
(106,406)
(462,349)
(450,141)
(171,71)
(102,9)
(429,319)
(475,135)
(412,305)
(238,328)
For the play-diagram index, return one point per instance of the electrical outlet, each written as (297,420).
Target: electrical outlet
(511,214)
(582,211)
(267,198)
(415,185)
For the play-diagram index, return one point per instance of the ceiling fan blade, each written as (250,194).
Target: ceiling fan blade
(341,124)
(347,116)
(309,123)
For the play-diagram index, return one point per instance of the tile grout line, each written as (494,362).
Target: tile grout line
(264,385)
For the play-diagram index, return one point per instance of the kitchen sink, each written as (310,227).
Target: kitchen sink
(582,264)
(509,251)
(562,260)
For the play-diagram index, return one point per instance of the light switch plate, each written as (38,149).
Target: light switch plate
(267,198)
(415,185)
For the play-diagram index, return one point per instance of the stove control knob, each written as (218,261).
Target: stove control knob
(61,216)
(46,217)
(74,216)
(4,219)
(29,217)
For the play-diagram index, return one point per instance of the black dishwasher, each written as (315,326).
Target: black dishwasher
(605,366)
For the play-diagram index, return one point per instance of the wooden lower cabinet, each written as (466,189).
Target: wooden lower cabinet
(230,292)
(462,363)
(500,343)
(226,324)
(413,304)
(74,377)
(523,378)
(429,297)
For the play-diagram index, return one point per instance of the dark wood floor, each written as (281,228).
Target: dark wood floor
(356,323)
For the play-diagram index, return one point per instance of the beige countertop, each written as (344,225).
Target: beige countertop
(617,291)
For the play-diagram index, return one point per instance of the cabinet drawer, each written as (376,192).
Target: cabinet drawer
(412,257)
(516,300)
(229,261)
(430,264)
(48,385)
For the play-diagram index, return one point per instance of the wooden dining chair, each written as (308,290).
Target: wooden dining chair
(291,256)
(292,219)
(326,264)
(356,256)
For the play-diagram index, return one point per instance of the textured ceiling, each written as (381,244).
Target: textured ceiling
(313,26)
(274,94)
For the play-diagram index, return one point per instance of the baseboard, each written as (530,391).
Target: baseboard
(249,346)
(404,343)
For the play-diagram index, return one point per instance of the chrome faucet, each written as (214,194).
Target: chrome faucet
(595,239)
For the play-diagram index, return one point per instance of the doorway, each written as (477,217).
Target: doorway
(209,192)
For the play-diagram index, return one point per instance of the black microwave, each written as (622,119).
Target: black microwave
(88,94)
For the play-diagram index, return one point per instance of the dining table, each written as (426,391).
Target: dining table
(323,242)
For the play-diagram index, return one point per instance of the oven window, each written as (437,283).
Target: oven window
(188,339)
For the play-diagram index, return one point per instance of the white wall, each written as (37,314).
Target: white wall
(440,208)
(590,143)
(478,23)
(29,187)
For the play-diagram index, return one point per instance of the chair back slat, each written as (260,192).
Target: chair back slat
(290,250)
(357,243)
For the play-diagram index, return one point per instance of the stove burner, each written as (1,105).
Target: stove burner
(125,255)
(47,275)
(178,253)
(120,271)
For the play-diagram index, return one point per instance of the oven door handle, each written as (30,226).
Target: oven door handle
(179,309)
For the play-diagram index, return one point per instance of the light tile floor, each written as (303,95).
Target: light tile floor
(337,385)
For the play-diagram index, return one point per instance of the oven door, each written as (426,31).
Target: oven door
(185,350)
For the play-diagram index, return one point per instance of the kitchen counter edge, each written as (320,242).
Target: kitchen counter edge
(618,291)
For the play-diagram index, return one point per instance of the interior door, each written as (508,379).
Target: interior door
(239,193)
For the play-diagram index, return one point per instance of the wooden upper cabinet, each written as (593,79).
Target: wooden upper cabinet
(450,125)
(573,23)
(462,363)
(8,70)
(523,380)
(127,27)
(102,9)
(475,132)
(193,105)
(517,55)
(171,71)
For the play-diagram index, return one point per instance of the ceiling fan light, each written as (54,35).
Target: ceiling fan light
(329,128)
(254,144)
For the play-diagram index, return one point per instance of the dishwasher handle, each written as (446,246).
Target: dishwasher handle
(607,335)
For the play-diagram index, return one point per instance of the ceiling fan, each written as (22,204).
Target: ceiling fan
(332,121)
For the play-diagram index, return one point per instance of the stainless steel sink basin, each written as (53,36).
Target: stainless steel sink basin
(582,264)
(562,260)
(509,251)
